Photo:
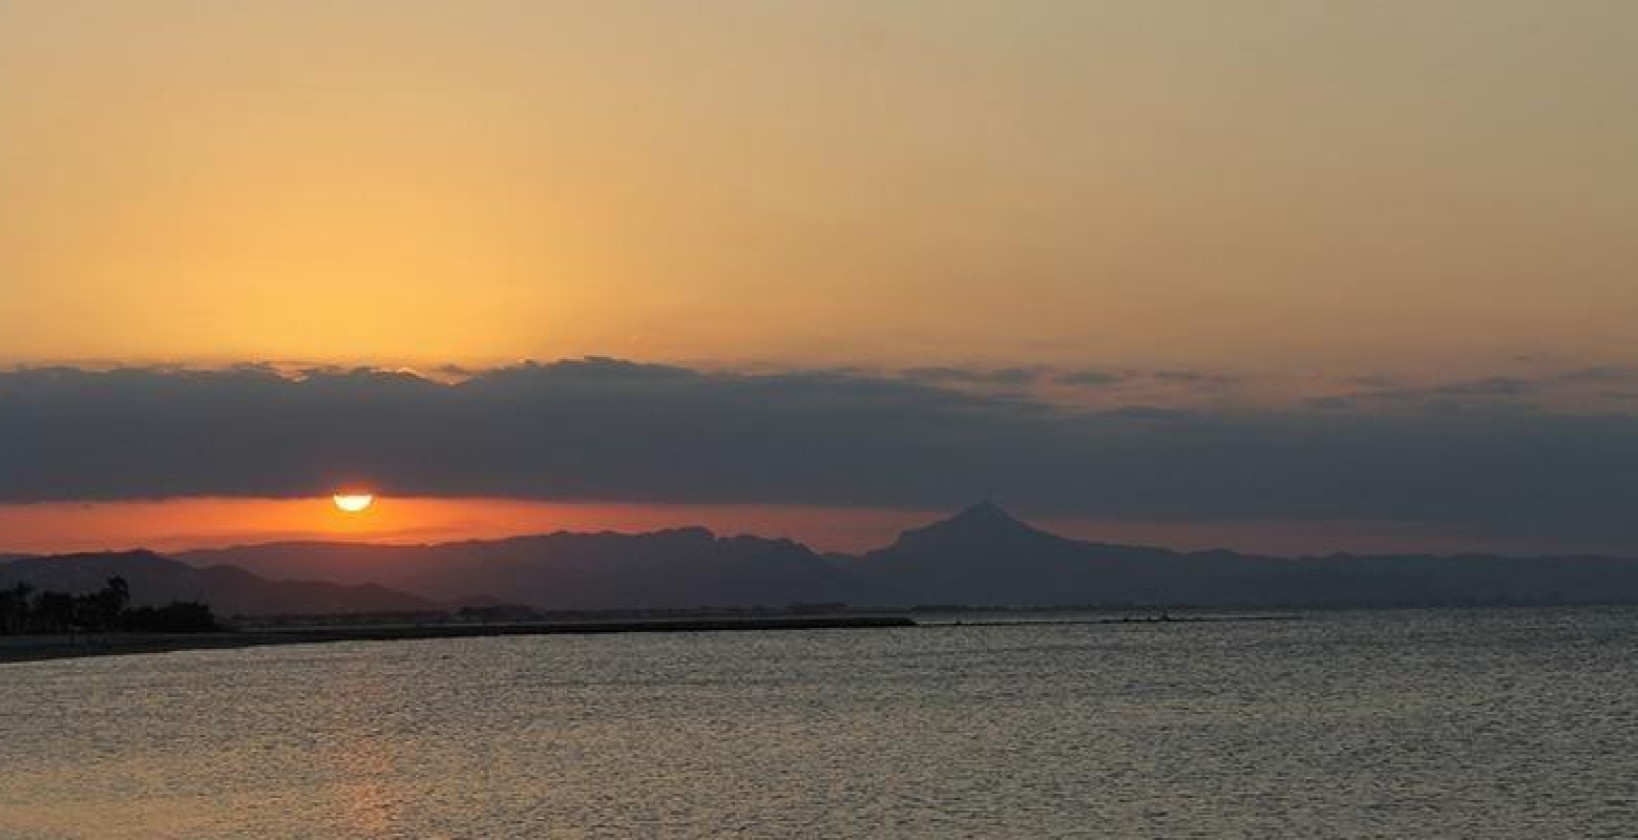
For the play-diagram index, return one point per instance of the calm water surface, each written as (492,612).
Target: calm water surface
(1481,723)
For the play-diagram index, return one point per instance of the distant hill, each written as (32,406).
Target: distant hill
(686,567)
(985,556)
(335,562)
(982,556)
(157,580)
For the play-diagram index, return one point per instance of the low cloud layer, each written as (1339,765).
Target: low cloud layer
(609,430)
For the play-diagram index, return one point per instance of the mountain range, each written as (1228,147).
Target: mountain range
(156,581)
(982,556)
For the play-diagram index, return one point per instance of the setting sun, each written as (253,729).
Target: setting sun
(353,502)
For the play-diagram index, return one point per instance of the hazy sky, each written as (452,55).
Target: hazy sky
(1360,185)
(1305,273)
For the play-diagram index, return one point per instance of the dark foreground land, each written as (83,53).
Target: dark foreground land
(35,648)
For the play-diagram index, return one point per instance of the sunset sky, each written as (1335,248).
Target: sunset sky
(1280,275)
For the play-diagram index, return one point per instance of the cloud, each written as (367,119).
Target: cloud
(1199,378)
(1090,378)
(1585,386)
(614,430)
(1014,379)
(1007,377)
(1603,375)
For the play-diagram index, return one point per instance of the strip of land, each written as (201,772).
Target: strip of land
(1142,619)
(36,648)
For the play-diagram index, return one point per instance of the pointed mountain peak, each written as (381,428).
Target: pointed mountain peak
(986,511)
(985,522)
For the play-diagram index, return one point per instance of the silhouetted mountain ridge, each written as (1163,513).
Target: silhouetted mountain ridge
(680,567)
(156,580)
(982,556)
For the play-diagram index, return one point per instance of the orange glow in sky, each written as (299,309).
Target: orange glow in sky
(1306,196)
(198,522)
(178,524)
(419,182)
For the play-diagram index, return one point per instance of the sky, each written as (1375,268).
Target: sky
(1277,275)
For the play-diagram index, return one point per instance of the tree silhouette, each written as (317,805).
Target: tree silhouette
(55,611)
(16,606)
(105,610)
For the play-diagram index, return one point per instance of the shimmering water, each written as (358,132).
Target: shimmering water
(1505,723)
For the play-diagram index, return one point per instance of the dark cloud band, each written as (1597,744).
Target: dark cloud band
(601,429)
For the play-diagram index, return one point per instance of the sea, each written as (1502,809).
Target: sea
(1477,723)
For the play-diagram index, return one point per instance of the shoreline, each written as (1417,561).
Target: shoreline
(21,649)
(1144,620)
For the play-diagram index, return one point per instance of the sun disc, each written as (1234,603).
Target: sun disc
(353,502)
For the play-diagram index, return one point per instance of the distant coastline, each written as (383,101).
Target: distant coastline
(982,558)
(19,649)
(40,648)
